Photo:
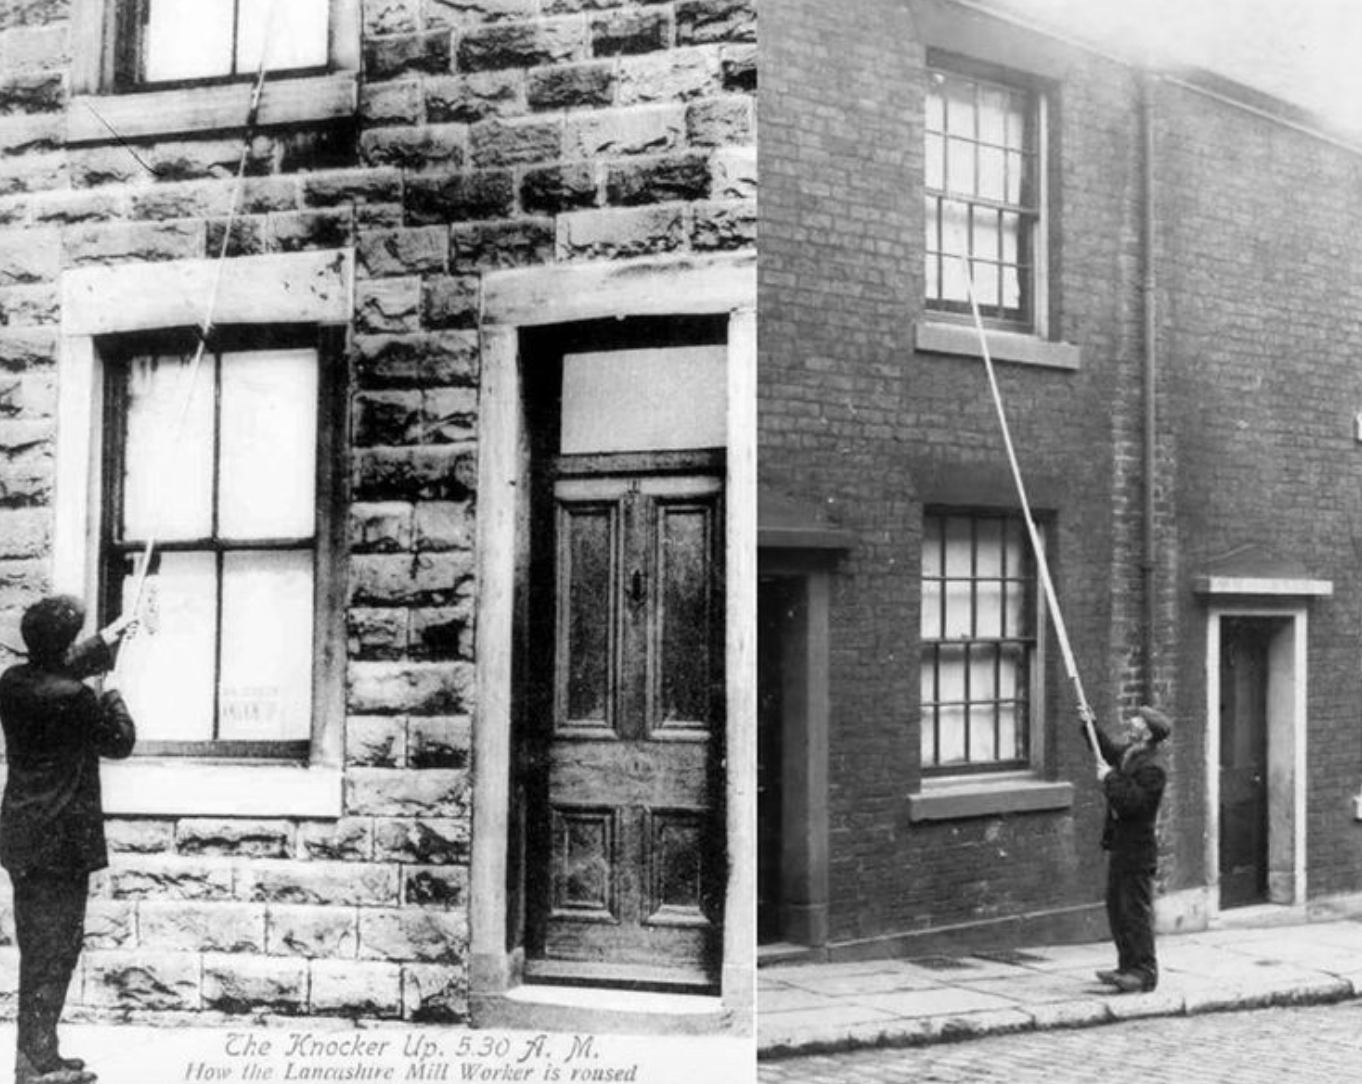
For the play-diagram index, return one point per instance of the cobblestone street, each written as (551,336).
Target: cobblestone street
(1267,1046)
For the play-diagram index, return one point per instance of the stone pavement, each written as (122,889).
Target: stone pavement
(813,1008)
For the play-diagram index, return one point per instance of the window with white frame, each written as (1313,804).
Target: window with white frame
(978,642)
(984,194)
(223,471)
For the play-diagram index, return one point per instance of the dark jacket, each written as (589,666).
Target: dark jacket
(56,729)
(1134,789)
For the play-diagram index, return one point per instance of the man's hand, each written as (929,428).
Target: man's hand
(1103,770)
(123,628)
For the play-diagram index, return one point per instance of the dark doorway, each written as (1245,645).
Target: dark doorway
(1244,644)
(771,604)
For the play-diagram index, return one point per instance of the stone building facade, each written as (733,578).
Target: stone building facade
(1173,321)
(439,196)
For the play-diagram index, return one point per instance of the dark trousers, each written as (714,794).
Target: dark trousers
(49,924)
(1130,912)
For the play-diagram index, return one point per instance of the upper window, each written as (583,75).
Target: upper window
(219,469)
(983,195)
(175,41)
(979,636)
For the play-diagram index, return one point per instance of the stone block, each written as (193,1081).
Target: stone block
(448,357)
(465,13)
(571,86)
(388,304)
(450,301)
(70,208)
(738,68)
(180,926)
(416,579)
(124,242)
(726,225)
(33,92)
(621,232)
(431,146)
(376,634)
(346,839)
(515,141)
(234,838)
(443,525)
(27,349)
(91,167)
(110,924)
(321,932)
(35,173)
(140,877)
(734,173)
(413,934)
(438,633)
(36,133)
(336,884)
(24,577)
(522,45)
(299,231)
(715,21)
(439,472)
(384,792)
(552,190)
(434,994)
(254,984)
(387,104)
(614,133)
(391,17)
(387,417)
(352,187)
(440,742)
(637,181)
(381,528)
(36,48)
(29,256)
(674,75)
(190,199)
(424,842)
(355,989)
(27,533)
(33,13)
(376,741)
(629,32)
(389,58)
(449,414)
(30,306)
(248,237)
(423,688)
(485,246)
(382,253)
(460,198)
(264,195)
(435,886)
(471,98)
(140,836)
(721,122)
(141,980)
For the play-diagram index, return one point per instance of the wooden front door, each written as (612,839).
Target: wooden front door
(626,839)
(1243,761)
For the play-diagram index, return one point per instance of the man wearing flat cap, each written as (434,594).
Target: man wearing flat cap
(1133,782)
(51,818)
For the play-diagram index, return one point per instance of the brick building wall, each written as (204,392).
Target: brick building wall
(489,134)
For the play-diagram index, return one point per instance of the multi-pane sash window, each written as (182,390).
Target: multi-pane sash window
(982,195)
(978,641)
(173,41)
(223,476)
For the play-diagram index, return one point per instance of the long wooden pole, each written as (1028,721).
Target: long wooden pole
(1042,566)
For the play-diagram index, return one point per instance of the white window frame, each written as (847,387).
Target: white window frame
(95,108)
(291,288)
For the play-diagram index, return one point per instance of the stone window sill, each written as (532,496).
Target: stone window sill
(956,799)
(157,113)
(941,337)
(181,787)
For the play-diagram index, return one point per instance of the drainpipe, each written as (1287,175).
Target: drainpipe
(1149,563)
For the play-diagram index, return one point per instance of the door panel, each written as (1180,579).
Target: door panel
(1243,762)
(631,783)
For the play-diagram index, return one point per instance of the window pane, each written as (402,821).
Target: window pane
(269,442)
(266,692)
(992,170)
(960,107)
(952,735)
(959,619)
(1016,176)
(295,29)
(960,167)
(988,530)
(950,673)
(931,609)
(983,674)
(959,546)
(936,103)
(168,669)
(993,104)
(982,742)
(936,162)
(168,461)
(188,39)
(989,604)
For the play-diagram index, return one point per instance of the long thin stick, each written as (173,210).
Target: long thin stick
(1061,633)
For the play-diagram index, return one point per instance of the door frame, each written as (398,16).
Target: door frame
(524,298)
(1286,746)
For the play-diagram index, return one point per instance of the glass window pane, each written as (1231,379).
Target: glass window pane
(992,170)
(950,673)
(983,674)
(936,162)
(168,456)
(982,741)
(959,546)
(927,693)
(1016,175)
(931,609)
(931,546)
(960,167)
(266,692)
(936,102)
(988,602)
(1011,226)
(1011,287)
(987,243)
(960,107)
(988,531)
(1009,671)
(167,670)
(952,735)
(295,29)
(1011,745)
(959,619)
(269,444)
(993,105)
(187,39)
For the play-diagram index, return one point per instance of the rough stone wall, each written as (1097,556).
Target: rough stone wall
(490,134)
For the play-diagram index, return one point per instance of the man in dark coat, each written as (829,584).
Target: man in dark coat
(51,818)
(1133,782)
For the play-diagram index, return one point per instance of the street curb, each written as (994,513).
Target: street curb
(1055,1016)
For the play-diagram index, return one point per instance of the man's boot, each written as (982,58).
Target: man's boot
(57,1072)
